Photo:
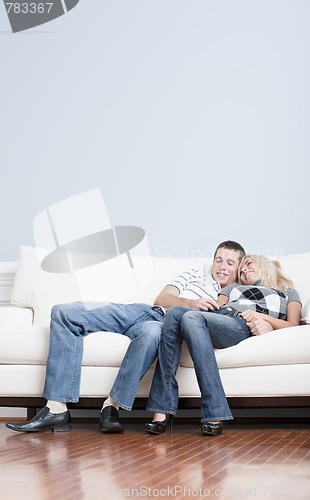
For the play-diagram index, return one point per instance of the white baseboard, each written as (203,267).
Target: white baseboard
(12,412)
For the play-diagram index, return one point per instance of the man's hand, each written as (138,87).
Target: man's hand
(256,323)
(169,297)
(204,304)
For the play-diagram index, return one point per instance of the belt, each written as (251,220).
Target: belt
(159,309)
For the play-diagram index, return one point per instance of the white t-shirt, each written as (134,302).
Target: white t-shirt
(192,285)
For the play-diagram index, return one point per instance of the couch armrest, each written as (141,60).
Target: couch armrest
(305,314)
(11,315)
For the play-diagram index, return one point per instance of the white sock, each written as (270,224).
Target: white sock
(56,406)
(110,402)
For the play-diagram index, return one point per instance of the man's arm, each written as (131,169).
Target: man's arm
(168,297)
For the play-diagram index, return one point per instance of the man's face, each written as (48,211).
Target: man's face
(225,266)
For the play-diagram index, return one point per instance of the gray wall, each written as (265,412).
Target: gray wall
(192,117)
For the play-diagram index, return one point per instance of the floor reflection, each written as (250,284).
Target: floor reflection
(85,464)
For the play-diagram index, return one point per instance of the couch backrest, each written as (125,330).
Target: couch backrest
(40,290)
(297,268)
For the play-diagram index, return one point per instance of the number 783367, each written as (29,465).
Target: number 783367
(29,7)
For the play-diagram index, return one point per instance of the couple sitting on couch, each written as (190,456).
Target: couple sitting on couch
(206,311)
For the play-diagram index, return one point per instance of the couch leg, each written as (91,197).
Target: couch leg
(31,412)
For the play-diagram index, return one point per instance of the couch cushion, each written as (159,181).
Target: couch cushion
(40,290)
(23,345)
(29,345)
(14,316)
(280,347)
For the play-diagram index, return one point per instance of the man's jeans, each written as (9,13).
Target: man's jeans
(71,322)
(202,331)
(140,355)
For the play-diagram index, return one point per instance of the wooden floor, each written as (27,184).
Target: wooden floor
(258,461)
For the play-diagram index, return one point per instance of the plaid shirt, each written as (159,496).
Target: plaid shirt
(260,298)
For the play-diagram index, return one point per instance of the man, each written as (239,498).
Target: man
(141,323)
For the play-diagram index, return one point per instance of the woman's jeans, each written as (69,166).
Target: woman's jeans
(202,331)
(70,323)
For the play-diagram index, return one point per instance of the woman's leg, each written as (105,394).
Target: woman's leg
(164,392)
(202,332)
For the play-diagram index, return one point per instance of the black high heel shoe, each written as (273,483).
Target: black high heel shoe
(212,429)
(159,427)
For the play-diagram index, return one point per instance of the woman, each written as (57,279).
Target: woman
(264,301)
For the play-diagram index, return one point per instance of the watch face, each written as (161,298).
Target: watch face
(28,14)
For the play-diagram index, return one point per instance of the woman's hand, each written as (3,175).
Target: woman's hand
(250,315)
(256,322)
(292,318)
(259,326)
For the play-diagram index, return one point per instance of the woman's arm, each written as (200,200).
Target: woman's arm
(222,299)
(293,316)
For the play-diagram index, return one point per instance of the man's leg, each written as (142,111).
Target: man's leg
(140,356)
(69,324)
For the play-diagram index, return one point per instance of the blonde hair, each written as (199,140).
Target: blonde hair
(272,275)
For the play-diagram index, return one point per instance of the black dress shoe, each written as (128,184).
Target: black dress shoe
(212,429)
(109,421)
(44,421)
(159,427)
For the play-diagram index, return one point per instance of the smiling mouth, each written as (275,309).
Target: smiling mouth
(246,275)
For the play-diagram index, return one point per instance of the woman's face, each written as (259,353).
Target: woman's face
(250,271)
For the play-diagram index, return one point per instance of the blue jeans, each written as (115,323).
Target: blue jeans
(140,355)
(202,331)
(70,323)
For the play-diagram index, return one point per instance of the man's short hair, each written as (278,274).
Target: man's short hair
(231,245)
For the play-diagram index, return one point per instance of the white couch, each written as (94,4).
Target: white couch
(272,370)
